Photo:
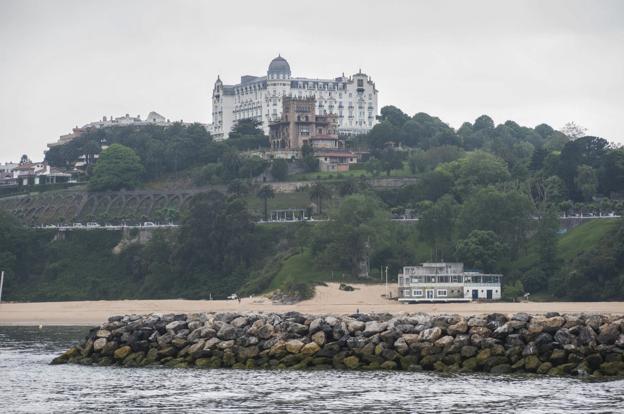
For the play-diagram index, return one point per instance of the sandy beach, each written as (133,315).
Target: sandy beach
(328,300)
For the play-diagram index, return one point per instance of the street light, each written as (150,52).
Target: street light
(1,283)
(386,282)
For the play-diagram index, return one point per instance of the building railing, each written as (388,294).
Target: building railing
(443,284)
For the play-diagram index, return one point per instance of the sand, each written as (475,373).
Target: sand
(328,300)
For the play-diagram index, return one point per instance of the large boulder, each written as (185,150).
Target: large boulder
(103,333)
(211,343)
(99,344)
(351,362)
(374,327)
(122,352)
(355,326)
(319,337)
(309,348)
(564,337)
(175,326)
(460,327)
(431,334)
(552,324)
(585,335)
(227,332)
(444,341)
(294,346)
(197,348)
(265,331)
(609,333)
(239,322)
(245,353)
(476,321)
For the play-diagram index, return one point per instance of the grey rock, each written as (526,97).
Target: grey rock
(164,339)
(316,325)
(431,334)
(374,327)
(586,335)
(564,337)
(239,322)
(226,333)
(529,349)
(476,321)
(175,326)
(521,316)
(609,333)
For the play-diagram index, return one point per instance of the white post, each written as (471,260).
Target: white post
(386,282)
(1,283)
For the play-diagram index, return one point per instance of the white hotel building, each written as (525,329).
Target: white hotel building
(353,99)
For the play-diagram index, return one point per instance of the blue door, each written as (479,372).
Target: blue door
(475,294)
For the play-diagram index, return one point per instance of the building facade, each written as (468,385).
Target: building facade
(352,99)
(446,282)
(300,125)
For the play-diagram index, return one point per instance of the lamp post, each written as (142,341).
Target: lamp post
(1,283)
(386,282)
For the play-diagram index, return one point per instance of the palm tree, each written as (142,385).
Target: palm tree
(318,192)
(265,193)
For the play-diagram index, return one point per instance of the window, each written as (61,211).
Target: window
(442,293)
(417,292)
(406,292)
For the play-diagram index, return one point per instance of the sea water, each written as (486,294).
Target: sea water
(29,385)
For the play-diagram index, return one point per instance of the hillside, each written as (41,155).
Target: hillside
(571,243)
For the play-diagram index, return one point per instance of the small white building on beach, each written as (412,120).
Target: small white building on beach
(446,282)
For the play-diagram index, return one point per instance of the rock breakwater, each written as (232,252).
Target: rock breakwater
(553,344)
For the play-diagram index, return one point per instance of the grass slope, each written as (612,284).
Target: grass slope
(299,268)
(571,243)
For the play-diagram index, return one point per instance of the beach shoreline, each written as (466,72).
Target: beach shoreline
(327,300)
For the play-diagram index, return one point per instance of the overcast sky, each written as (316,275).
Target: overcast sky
(68,62)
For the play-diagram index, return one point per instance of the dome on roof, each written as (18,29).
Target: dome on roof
(279,65)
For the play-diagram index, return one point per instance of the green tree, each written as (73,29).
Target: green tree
(217,243)
(393,115)
(318,192)
(436,225)
(589,151)
(279,169)
(483,122)
(482,249)
(512,291)
(346,242)
(390,160)
(238,188)
(374,166)
(266,192)
(247,134)
(476,169)
(383,133)
(117,168)
(546,239)
(586,181)
(612,172)
(506,213)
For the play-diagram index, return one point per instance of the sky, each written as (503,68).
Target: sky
(65,63)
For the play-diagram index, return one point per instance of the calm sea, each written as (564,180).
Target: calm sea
(29,385)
